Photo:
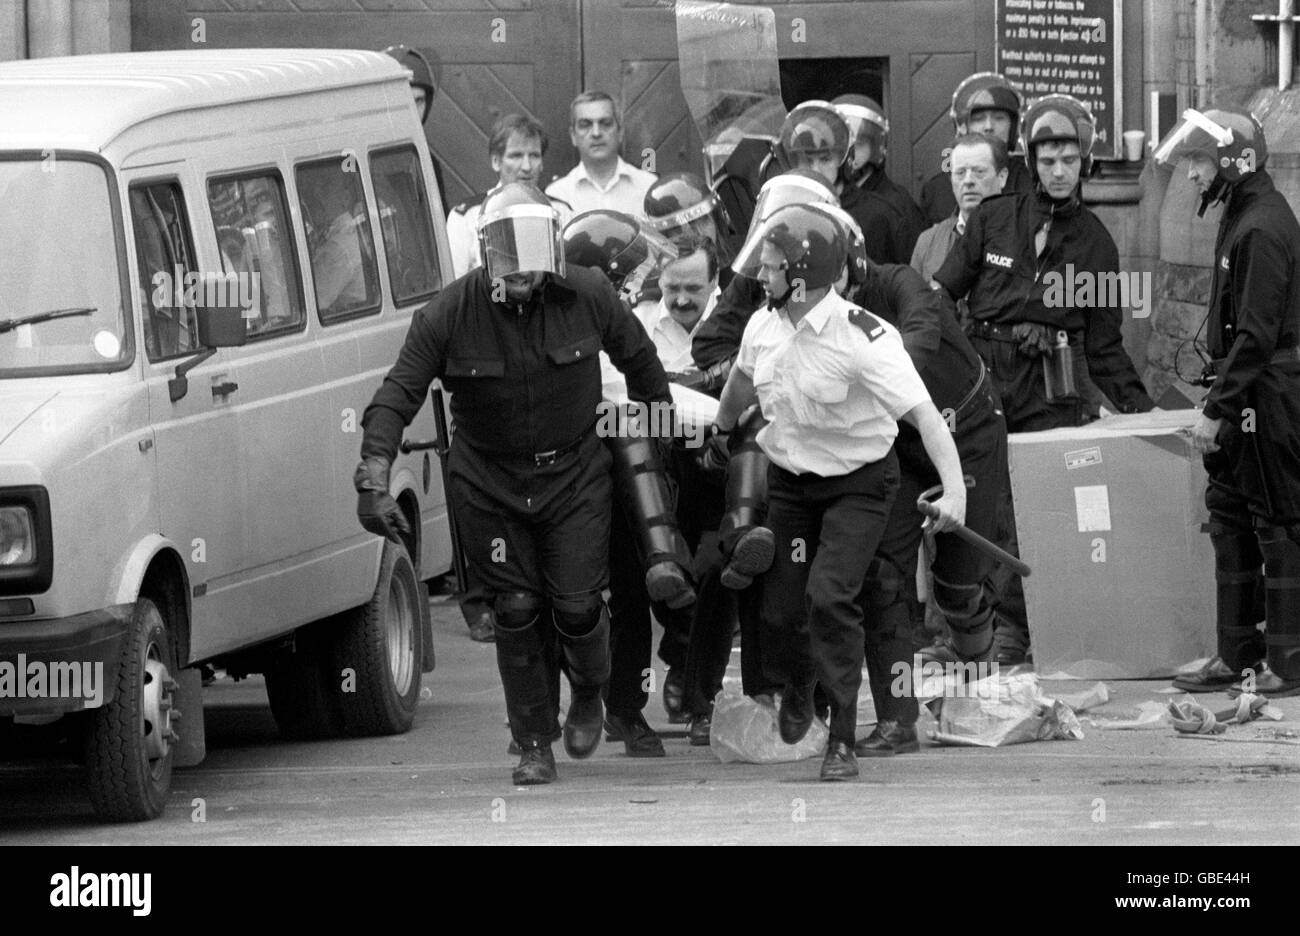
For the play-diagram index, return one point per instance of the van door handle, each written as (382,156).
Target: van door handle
(224,389)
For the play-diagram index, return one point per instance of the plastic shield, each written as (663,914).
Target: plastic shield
(729,73)
(522,239)
(1195,133)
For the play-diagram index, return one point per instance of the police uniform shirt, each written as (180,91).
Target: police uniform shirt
(671,340)
(462,236)
(833,387)
(625,191)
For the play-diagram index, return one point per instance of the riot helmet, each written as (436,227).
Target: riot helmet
(519,232)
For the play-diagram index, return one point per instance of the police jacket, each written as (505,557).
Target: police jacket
(938,201)
(908,218)
(883,226)
(927,321)
(524,377)
(1254,293)
(1005,282)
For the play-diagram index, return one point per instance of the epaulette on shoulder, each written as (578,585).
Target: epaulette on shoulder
(871,326)
(469,203)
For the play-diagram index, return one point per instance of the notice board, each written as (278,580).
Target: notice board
(1066,47)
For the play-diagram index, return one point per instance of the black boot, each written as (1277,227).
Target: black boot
(536,764)
(588,664)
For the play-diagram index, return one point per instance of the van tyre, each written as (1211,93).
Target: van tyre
(301,687)
(128,741)
(382,644)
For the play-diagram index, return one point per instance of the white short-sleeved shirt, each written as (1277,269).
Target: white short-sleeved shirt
(671,340)
(832,390)
(625,191)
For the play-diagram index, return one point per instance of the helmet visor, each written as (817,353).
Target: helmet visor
(522,239)
(785,190)
(650,253)
(1195,133)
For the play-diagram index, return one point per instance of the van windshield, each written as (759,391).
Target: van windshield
(58,253)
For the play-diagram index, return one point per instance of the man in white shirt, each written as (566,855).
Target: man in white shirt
(516,148)
(833,381)
(602,179)
(689,286)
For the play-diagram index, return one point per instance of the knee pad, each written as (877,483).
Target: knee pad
(958,601)
(578,615)
(517,610)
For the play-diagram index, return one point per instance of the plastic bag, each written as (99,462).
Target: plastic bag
(746,731)
(1002,710)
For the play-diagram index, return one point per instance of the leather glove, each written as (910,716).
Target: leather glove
(716,453)
(1035,339)
(376,508)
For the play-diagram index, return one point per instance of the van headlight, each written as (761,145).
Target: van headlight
(17,537)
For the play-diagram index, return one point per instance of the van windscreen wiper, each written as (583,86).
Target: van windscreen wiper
(11,324)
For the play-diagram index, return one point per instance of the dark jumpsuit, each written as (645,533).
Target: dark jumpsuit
(528,479)
(1254,478)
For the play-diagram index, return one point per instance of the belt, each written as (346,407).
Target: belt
(543,459)
(980,328)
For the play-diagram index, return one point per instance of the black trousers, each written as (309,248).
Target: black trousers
(541,531)
(827,530)
(1018,380)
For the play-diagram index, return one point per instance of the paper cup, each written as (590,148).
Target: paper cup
(1133,145)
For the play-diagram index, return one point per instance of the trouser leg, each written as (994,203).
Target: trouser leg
(712,627)
(629,616)
(888,644)
(854,512)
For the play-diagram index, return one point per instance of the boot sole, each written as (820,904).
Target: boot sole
(669,587)
(753,553)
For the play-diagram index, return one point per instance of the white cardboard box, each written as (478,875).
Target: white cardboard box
(1109,517)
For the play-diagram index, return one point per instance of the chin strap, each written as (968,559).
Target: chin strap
(1217,191)
(778,302)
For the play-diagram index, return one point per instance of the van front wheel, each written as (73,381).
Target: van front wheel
(380,645)
(129,740)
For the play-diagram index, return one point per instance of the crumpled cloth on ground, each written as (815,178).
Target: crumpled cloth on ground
(1191,717)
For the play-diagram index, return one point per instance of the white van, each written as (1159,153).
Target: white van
(208,261)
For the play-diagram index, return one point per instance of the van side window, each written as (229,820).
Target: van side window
(413,272)
(339,242)
(256,243)
(164,251)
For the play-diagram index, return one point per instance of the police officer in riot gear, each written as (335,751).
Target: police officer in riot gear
(1249,429)
(681,204)
(989,104)
(1015,247)
(517,343)
(865,167)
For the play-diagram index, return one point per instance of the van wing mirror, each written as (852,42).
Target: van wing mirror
(222,326)
(218,327)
